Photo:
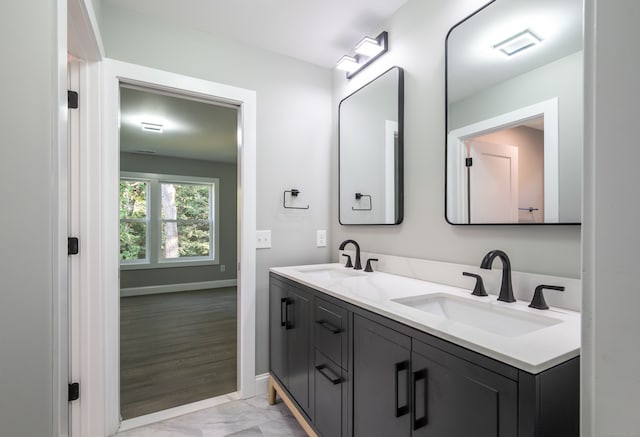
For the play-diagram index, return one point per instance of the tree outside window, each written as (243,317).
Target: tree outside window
(167,219)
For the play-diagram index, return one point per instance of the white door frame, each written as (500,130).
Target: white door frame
(456,172)
(115,72)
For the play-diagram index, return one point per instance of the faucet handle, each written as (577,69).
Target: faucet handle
(368,268)
(348,263)
(478,290)
(538,301)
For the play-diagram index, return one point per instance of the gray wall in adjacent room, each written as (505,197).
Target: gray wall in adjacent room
(227,174)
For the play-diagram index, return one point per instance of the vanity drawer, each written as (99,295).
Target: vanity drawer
(331,326)
(330,397)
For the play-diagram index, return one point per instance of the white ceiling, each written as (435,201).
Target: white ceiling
(318,32)
(474,65)
(315,31)
(192,129)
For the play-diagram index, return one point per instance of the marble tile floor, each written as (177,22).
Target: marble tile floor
(252,417)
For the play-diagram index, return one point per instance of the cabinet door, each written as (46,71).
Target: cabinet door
(381,370)
(277,329)
(298,311)
(453,397)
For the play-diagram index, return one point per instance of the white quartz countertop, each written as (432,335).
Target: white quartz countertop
(532,352)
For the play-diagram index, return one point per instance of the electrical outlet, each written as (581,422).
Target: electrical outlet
(263,239)
(321,238)
(223,267)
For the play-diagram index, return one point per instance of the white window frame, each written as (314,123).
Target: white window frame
(154,258)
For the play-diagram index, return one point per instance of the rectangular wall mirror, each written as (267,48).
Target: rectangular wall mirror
(371,152)
(514,84)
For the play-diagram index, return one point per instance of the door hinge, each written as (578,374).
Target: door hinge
(74,391)
(468,162)
(72,99)
(72,246)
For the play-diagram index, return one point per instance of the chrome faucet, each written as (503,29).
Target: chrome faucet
(506,290)
(356,265)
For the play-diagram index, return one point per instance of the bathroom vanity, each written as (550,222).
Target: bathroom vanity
(376,354)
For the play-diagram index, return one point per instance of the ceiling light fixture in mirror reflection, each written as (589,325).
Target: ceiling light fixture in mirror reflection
(514,114)
(371,152)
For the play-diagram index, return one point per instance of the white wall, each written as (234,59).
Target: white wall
(611,303)
(28,134)
(417,39)
(293,130)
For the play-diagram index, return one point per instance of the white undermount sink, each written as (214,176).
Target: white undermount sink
(489,315)
(328,273)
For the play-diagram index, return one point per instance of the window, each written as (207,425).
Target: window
(166,221)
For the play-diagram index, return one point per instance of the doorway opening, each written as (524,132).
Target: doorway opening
(178,233)
(505,174)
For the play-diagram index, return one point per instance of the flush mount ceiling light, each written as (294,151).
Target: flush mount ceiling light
(518,42)
(152,127)
(367,50)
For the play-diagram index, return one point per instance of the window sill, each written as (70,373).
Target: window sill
(168,264)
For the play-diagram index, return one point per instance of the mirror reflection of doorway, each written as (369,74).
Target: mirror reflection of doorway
(178,250)
(505,176)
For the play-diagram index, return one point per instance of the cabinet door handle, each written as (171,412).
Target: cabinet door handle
(329,374)
(328,326)
(283,312)
(422,421)
(402,367)
(288,324)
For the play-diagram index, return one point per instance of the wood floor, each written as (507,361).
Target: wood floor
(176,348)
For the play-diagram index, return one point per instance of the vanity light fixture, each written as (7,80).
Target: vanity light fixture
(518,42)
(367,50)
(347,63)
(369,47)
(152,127)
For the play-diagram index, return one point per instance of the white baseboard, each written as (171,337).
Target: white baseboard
(173,288)
(262,384)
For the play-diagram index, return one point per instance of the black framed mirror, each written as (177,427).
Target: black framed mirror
(370,143)
(514,109)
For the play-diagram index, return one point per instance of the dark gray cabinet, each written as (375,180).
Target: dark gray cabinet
(290,351)
(381,387)
(453,397)
(403,387)
(331,374)
(330,397)
(355,373)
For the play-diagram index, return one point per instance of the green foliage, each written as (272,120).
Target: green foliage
(133,206)
(190,225)
(192,204)
(133,199)
(133,244)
